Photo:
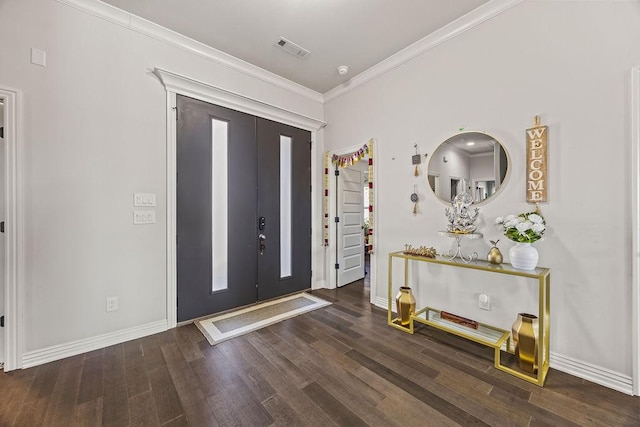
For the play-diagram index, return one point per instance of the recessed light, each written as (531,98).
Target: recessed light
(343,69)
(470,143)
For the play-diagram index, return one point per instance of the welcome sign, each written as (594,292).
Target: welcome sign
(537,163)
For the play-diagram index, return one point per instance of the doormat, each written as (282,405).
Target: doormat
(229,325)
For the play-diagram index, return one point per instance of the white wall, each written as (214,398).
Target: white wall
(482,168)
(569,62)
(94,123)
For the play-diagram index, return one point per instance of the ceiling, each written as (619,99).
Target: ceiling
(473,143)
(356,33)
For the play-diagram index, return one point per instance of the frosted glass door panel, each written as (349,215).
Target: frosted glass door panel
(285,206)
(219,208)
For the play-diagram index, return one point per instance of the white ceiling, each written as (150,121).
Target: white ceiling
(356,33)
(473,143)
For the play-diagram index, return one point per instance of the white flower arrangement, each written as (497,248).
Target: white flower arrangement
(524,228)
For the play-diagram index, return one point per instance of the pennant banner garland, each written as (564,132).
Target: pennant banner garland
(350,159)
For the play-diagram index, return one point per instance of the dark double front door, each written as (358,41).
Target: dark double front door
(243,209)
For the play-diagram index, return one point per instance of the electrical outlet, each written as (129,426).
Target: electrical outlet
(112,304)
(484,302)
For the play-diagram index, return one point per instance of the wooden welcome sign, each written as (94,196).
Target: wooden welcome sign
(537,162)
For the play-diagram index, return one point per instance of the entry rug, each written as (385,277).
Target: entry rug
(229,325)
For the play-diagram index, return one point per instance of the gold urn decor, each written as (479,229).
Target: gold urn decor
(405,305)
(525,333)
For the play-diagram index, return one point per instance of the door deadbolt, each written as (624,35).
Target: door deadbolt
(261,239)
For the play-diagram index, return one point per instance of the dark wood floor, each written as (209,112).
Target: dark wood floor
(340,365)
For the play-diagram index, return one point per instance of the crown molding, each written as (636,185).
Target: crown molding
(438,37)
(142,26)
(101,10)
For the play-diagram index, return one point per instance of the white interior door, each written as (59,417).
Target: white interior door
(350,232)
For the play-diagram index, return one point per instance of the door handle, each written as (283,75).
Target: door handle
(261,239)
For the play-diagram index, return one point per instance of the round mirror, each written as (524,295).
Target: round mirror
(474,161)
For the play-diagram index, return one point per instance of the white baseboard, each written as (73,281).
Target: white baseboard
(593,373)
(381,303)
(578,368)
(318,284)
(57,352)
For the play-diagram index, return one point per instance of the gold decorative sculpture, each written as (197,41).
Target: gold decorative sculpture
(421,251)
(462,214)
(494,256)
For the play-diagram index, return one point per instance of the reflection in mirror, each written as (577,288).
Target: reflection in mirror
(474,161)
(456,187)
(484,189)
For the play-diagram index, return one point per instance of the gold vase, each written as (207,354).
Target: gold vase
(524,334)
(405,305)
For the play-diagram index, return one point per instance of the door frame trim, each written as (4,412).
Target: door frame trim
(333,209)
(14,259)
(338,234)
(183,85)
(177,84)
(635,227)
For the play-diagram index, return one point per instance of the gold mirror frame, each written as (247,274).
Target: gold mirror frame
(473,160)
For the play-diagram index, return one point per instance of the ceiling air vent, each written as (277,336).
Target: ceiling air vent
(292,48)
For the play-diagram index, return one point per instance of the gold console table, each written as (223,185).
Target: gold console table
(487,335)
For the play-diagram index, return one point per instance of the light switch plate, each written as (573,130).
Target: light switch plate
(144,199)
(38,57)
(144,217)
